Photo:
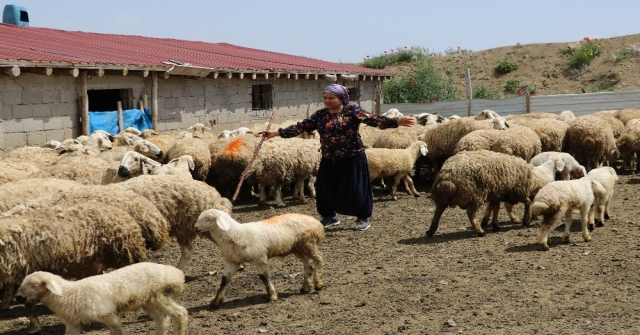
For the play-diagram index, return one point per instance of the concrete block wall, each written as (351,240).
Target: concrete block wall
(36,108)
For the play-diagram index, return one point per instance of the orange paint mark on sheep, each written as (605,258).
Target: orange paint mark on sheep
(233,147)
(279,218)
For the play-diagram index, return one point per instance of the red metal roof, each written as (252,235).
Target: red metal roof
(19,43)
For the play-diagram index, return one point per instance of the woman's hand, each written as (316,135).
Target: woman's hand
(406,121)
(267,134)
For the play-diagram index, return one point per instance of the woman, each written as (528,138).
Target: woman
(343,185)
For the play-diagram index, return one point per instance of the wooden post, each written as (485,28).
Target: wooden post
(145,100)
(377,101)
(154,101)
(85,105)
(11,71)
(120,119)
(467,81)
(527,102)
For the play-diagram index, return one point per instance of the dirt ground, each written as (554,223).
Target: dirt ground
(392,279)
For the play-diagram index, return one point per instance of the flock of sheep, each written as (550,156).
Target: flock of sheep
(72,209)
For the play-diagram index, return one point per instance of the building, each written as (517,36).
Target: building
(50,79)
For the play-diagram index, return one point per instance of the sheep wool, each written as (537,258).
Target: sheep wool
(149,286)
(470,178)
(256,242)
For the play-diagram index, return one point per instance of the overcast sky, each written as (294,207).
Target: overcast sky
(348,30)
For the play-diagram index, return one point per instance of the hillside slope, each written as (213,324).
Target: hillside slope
(545,66)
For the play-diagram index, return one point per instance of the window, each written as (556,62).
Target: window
(354,94)
(261,96)
(107,100)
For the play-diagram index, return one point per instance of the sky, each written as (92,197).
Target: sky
(345,31)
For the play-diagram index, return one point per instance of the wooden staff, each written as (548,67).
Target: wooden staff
(255,153)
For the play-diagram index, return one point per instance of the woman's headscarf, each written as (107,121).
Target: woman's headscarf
(339,91)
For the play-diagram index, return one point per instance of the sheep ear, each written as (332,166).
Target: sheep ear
(192,166)
(559,165)
(53,287)
(424,150)
(506,123)
(223,221)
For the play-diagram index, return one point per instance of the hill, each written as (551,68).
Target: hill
(544,65)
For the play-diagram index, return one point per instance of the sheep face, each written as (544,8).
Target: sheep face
(499,123)
(38,284)
(213,219)
(132,163)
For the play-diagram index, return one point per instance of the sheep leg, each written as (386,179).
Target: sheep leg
(512,217)
(113,323)
(157,316)
(307,281)
(318,262)
(435,221)
(545,230)
(263,273)
(75,330)
(591,217)
(394,188)
(34,323)
(411,188)
(186,251)
(177,313)
(311,187)
(471,213)
(263,193)
(568,221)
(229,270)
(279,201)
(584,219)
(299,191)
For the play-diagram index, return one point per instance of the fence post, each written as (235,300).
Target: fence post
(467,81)
(120,118)
(527,102)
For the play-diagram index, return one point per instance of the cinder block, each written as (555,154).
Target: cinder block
(21,111)
(13,126)
(6,112)
(36,137)
(51,96)
(69,96)
(170,103)
(62,109)
(55,134)
(31,124)
(176,91)
(31,97)
(182,102)
(42,110)
(52,123)
(14,140)
(11,97)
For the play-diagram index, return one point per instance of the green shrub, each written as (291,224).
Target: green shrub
(451,51)
(507,65)
(512,85)
(584,55)
(400,55)
(425,84)
(486,93)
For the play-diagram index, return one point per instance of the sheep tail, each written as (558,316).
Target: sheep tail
(444,190)
(539,207)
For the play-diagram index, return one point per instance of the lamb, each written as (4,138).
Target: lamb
(256,242)
(148,286)
(281,162)
(558,199)
(180,201)
(72,241)
(198,149)
(181,166)
(470,178)
(572,169)
(235,133)
(393,112)
(607,177)
(487,114)
(590,140)
(520,141)
(396,163)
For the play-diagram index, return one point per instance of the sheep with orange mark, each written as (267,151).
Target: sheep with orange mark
(256,242)
(229,157)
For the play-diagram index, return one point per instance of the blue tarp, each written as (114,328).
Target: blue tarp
(108,121)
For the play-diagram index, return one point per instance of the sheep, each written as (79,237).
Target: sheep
(487,114)
(629,144)
(396,163)
(470,178)
(572,169)
(229,158)
(198,149)
(88,170)
(627,114)
(558,199)
(520,141)
(617,126)
(551,132)
(429,118)
(256,242)
(19,191)
(286,161)
(397,138)
(73,241)
(393,112)
(235,133)
(98,140)
(38,156)
(181,166)
(566,116)
(133,164)
(480,139)
(142,146)
(607,177)
(369,134)
(148,286)
(180,201)
(534,115)
(442,140)
(132,130)
(590,140)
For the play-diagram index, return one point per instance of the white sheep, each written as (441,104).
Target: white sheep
(572,169)
(590,140)
(558,199)
(396,163)
(102,298)
(487,114)
(393,113)
(551,132)
(181,166)
(518,141)
(133,164)
(256,242)
(607,177)
(235,133)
